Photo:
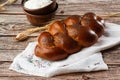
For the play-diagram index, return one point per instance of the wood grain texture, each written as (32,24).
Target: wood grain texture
(74,7)
(110,56)
(15,24)
(13,21)
(113,73)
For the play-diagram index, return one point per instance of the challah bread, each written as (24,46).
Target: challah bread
(68,36)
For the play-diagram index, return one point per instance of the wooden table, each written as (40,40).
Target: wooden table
(13,21)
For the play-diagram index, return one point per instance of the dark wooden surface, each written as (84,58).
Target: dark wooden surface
(13,21)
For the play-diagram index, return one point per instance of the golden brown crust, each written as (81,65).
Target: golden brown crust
(93,22)
(66,43)
(53,54)
(83,35)
(47,49)
(57,27)
(74,19)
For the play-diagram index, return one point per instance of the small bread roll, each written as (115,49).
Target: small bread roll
(93,22)
(46,48)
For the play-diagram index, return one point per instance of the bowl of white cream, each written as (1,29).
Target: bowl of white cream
(39,7)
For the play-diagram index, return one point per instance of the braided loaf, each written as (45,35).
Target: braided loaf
(69,36)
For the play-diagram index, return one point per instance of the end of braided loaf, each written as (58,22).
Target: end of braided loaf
(68,36)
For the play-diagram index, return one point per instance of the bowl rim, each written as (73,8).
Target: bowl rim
(23,1)
(42,15)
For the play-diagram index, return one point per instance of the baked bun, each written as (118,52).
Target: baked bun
(93,22)
(62,39)
(46,48)
(82,34)
(69,36)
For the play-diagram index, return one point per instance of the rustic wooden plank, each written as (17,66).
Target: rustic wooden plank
(9,55)
(78,7)
(15,24)
(4,69)
(112,73)
(111,56)
(28,78)
(21,19)
(80,1)
(8,43)
(71,78)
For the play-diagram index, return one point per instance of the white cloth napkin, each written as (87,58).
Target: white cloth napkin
(88,59)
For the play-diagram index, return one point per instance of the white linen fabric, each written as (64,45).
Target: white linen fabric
(88,59)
